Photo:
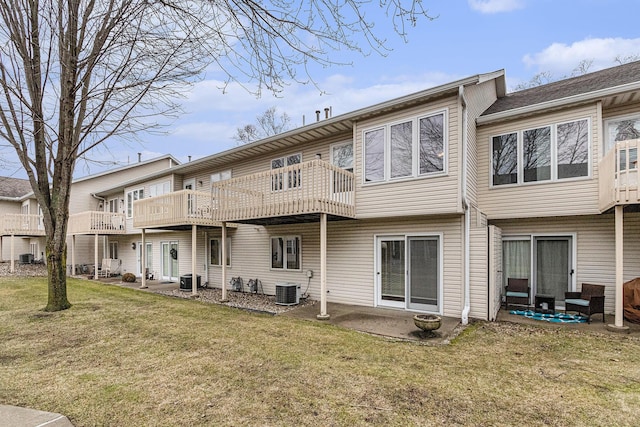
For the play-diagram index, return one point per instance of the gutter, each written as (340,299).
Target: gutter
(102,199)
(465,205)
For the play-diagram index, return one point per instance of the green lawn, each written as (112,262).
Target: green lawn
(123,357)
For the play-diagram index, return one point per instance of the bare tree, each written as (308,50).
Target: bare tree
(77,73)
(267,124)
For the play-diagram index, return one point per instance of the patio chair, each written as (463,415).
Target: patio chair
(589,301)
(518,292)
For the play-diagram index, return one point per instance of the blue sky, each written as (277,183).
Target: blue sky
(524,37)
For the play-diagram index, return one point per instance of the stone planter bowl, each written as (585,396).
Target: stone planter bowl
(427,322)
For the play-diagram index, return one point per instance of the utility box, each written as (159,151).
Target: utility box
(186,281)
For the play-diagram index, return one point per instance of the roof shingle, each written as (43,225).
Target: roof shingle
(604,79)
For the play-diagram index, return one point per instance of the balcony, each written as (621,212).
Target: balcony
(175,210)
(21,225)
(289,194)
(96,222)
(619,175)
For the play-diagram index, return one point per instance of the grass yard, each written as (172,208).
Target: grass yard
(122,357)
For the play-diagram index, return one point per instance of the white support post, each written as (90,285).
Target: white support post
(13,257)
(619,263)
(223,261)
(323,268)
(143,260)
(73,255)
(95,257)
(194,276)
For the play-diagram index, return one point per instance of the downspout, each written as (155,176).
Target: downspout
(465,205)
(102,199)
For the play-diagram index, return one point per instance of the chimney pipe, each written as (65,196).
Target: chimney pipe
(189,159)
(326,113)
(139,157)
(317,115)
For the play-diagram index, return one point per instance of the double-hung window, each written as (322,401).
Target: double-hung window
(547,153)
(407,149)
(285,253)
(290,177)
(131,197)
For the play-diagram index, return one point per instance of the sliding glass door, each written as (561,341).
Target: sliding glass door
(408,272)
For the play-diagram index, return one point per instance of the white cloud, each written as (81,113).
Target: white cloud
(495,6)
(560,58)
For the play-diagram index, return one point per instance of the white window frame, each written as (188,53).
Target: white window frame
(607,144)
(415,161)
(554,155)
(159,188)
(219,240)
(285,239)
(132,196)
(220,176)
(282,181)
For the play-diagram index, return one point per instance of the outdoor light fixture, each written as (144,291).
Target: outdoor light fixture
(133,246)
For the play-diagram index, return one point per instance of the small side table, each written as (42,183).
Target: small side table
(545,304)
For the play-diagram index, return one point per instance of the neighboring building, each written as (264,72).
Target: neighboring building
(428,202)
(92,219)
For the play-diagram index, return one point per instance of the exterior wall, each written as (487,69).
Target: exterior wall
(568,197)
(479,98)
(416,196)
(595,243)
(350,257)
(81,199)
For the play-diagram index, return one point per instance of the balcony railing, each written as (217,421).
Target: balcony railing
(21,224)
(186,207)
(96,222)
(310,187)
(619,175)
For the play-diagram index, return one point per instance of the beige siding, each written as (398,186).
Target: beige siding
(567,197)
(420,196)
(478,273)
(479,98)
(350,258)
(81,199)
(595,243)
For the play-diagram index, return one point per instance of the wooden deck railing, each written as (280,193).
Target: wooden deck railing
(21,224)
(310,187)
(186,207)
(618,172)
(96,222)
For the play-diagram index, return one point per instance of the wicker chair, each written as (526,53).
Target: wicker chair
(518,292)
(589,301)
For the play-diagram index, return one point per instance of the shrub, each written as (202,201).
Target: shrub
(129,277)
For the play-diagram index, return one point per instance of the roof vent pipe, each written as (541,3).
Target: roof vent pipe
(317,115)
(139,157)
(189,157)
(326,113)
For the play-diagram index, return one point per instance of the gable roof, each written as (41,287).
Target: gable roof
(14,188)
(576,89)
(333,126)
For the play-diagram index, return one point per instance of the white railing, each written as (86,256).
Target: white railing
(310,187)
(96,222)
(186,207)
(618,172)
(22,224)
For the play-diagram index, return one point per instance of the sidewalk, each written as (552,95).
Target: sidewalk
(13,416)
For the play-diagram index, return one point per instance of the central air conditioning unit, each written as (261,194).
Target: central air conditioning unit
(287,293)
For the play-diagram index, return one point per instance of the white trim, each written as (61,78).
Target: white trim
(605,130)
(554,104)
